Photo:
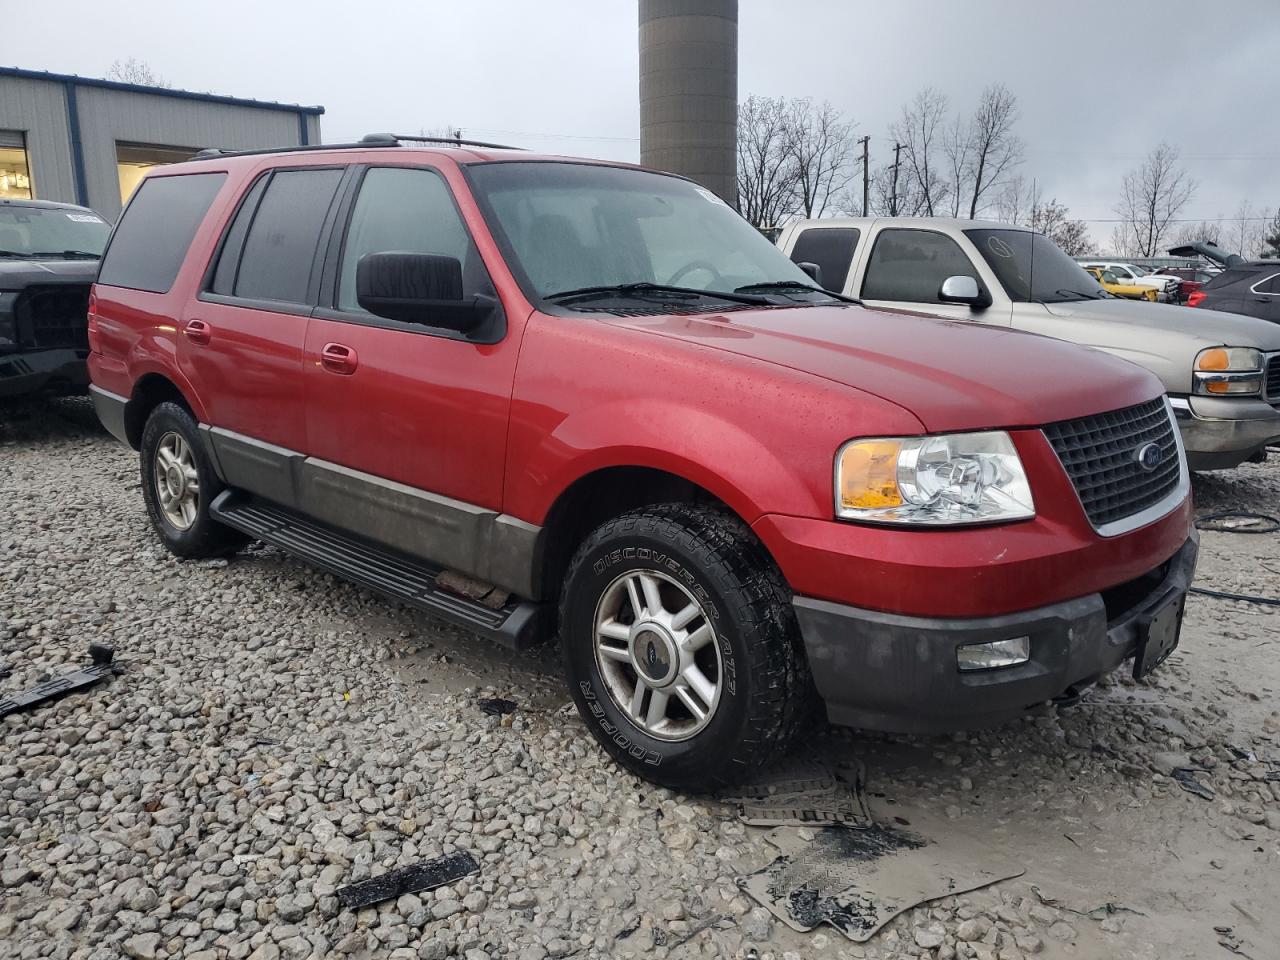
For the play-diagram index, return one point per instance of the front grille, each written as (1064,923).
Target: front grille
(1272,390)
(54,316)
(1100,455)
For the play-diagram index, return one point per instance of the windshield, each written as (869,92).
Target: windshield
(1136,270)
(50,231)
(1032,268)
(575,226)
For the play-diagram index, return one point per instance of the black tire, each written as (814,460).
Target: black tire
(205,537)
(766,694)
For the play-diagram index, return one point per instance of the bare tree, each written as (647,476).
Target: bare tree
(995,150)
(136,71)
(766,162)
(1053,221)
(1271,237)
(1204,231)
(920,129)
(1245,232)
(957,146)
(820,144)
(1151,198)
(1017,201)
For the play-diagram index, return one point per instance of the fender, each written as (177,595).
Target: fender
(694,443)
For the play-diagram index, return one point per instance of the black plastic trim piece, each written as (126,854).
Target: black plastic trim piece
(396,575)
(110,409)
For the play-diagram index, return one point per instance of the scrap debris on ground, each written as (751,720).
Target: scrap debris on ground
(281,735)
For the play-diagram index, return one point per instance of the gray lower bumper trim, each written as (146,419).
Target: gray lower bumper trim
(890,672)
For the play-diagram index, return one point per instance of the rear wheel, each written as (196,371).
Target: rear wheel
(681,646)
(179,483)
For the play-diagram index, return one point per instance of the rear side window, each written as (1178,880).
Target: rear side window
(910,265)
(280,245)
(152,238)
(831,248)
(1230,276)
(1269,285)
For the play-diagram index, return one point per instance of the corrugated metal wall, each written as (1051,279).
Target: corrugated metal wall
(38,108)
(109,116)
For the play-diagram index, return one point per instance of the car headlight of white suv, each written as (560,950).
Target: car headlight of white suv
(940,480)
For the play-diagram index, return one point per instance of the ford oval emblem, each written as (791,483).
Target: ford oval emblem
(1149,456)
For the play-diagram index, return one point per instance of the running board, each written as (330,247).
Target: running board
(517,625)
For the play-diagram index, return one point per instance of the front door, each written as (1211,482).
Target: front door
(906,268)
(406,422)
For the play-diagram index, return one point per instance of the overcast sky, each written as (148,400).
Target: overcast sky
(560,75)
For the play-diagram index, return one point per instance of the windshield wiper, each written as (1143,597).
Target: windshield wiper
(1076,293)
(66,253)
(793,285)
(663,290)
(14,253)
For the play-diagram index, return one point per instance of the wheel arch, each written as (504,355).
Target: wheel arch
(151,390)
(602,494)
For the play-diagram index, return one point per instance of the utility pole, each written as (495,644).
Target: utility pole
(866,173)
(893,201)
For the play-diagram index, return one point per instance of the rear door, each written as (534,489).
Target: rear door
(243,336)
(1266,297)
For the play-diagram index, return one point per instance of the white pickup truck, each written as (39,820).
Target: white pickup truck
(1221,370)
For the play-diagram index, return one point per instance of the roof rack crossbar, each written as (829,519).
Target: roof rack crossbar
(456,141)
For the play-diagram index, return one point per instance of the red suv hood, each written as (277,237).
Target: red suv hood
(952,375)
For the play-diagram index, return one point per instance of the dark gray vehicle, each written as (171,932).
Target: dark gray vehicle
(1250,287)
(49,255)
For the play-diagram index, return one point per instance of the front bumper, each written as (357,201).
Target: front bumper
(885,671)
(37,371)
(1220,432)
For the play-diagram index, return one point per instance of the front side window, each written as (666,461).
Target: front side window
(407,210)
(911,265)
(831,248)
(1033,269)
(151,240)
(51,232)
(280,246)
(569,226)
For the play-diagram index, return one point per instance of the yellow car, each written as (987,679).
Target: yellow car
(1111,283)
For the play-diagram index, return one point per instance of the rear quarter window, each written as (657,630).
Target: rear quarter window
(1230,277)
(151,240)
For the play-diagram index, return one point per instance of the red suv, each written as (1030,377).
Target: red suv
(609,409)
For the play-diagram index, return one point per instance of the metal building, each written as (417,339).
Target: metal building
(86,141)
(689,91)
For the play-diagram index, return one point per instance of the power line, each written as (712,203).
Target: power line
(1188,220)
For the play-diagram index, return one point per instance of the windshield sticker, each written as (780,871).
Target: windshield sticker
(84,218)
(999,248)
(710,196)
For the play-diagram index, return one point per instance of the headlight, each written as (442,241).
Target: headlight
(1224,371)
(959,478)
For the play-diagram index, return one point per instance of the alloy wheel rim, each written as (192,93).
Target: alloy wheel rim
(177,484)
(658,655)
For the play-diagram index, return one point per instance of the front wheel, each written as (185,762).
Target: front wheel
(681,646)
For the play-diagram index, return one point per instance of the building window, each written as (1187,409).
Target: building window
(15,171)
(133,160)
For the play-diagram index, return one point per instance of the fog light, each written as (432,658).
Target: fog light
(997,653)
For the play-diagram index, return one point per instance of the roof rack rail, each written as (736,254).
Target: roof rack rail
(213,153)
(455,141)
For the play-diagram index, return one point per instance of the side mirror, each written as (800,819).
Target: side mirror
(963,290)
(813,270)
(421,288)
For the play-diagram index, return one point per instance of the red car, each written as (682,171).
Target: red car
(609,409)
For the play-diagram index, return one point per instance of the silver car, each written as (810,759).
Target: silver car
(1221,370)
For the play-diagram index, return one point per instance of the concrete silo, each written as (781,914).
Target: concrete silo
(689,90)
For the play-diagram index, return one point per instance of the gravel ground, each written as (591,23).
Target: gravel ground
(278,734)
